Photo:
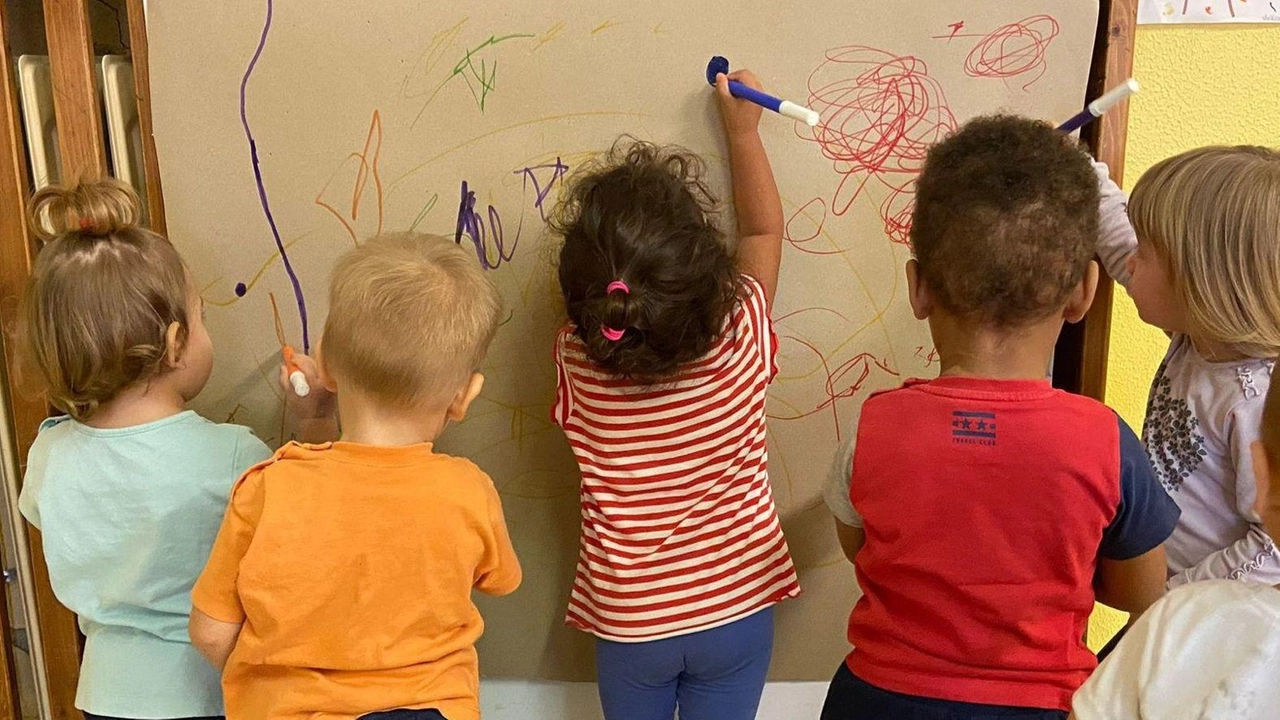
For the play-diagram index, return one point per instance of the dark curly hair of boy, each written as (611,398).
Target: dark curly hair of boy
(1006,220)
(641,215)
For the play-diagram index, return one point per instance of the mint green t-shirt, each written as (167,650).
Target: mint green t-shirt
(127,517)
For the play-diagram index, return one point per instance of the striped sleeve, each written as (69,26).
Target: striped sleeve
(757,316)
(563,405)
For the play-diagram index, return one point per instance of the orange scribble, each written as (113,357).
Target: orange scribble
(366,171)
(275,314)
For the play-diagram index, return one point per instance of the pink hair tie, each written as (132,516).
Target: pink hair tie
(612,334)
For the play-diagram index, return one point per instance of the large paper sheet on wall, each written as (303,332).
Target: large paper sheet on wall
(290,131)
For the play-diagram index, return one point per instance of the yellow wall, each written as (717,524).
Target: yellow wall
(1201,85)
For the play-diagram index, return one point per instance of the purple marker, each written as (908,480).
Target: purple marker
(786,108)
(1095,109)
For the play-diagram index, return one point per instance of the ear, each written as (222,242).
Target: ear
(327,380)
(173,346)
(1078,305)
(458,408)
(1262,476)
(918,293)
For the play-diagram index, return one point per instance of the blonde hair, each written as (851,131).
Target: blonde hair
(101,297)
(1213,215)
(411,317)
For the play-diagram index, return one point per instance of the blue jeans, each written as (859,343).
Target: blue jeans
(852,698)
(715,674)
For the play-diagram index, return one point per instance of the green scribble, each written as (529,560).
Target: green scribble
(431,203)
(482,78)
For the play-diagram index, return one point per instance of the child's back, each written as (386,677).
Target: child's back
(984,511)
(127,516)
(986,505)
(127,493)
(356,565)
(340,584)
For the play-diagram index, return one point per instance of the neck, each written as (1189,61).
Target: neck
(1020,354)
(368,421)
(1216,352)
(140,403)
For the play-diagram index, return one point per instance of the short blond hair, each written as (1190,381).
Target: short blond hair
(1213,215)
(411,317)
(101,296)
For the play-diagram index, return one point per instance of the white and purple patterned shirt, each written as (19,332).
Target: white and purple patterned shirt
(1202,419)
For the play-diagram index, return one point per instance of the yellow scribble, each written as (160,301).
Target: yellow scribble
(552,33)
(607,24)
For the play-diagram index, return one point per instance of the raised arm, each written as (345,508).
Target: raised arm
(1116,240)
(755,194)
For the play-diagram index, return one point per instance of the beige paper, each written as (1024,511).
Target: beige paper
(371,115)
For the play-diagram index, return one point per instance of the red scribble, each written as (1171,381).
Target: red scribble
(1013,49)
(880,114)
(812,233)
(930,358)
(843,381)
(956,27)
(366,162)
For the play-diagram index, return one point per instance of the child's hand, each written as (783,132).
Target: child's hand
(319,403)
(739,116)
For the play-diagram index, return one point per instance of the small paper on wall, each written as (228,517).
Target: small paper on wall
(1155,12)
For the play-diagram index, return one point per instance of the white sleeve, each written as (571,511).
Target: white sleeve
(836,490)
(1115,688)
(1116,239)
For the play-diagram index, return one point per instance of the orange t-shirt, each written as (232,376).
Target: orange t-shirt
(351,568)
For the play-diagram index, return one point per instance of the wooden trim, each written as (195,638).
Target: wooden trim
(1114,47)
(75,98)
(142,81)
(59,634)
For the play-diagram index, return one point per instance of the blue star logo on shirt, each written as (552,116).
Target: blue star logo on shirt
(969,427)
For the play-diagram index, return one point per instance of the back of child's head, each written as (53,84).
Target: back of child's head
(1213,216)
(410,319)
(1006,221)
(648,282)
(102,296)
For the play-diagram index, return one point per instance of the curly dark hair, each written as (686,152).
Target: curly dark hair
(642,214)
(1006,220)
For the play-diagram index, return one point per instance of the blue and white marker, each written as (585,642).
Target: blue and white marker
(785,108)
(1095,109)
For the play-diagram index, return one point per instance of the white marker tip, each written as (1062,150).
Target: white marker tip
(299,382)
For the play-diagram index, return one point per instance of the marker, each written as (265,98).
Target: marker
(785,108)
(1101,105)
(296,377)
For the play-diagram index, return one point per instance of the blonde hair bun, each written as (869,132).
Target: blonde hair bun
(96,208)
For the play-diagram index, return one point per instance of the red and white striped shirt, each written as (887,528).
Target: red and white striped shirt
(679,529)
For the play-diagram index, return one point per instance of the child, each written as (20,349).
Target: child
(128,490)
(984,511)
(1209,650)
(1202,262)
(340,583)
(662,373)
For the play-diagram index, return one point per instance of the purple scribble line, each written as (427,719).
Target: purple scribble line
(262,189)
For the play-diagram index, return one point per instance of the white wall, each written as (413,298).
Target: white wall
(525,700)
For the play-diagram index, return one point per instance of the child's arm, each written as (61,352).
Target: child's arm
(1131,563)
(216,612)
(213,638)
(849,529)
(1131,585)
(1253,557)
(499,571)
(755,194)
(316,419)
(1116,240)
